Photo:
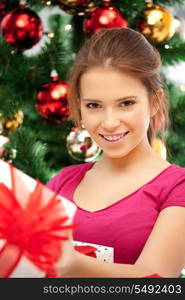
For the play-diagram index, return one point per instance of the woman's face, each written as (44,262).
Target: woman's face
(115,110)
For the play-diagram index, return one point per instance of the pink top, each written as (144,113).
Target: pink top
(126,224)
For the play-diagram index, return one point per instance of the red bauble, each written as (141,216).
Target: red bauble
(22,28)
(2,11)
(51,100)
(105,16)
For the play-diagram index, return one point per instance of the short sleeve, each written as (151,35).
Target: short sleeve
(64,182)
(52,183)
(176,195)
(55,183)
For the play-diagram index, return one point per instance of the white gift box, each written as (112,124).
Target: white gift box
(103,253)
(26,268)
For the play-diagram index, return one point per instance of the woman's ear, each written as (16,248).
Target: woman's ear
(155,102)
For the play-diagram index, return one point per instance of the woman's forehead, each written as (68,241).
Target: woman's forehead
(102,74)
(100,83)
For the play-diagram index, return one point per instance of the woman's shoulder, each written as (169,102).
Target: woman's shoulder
(177,171)
(173,188)
(172,176)
(67,173)
(74,168)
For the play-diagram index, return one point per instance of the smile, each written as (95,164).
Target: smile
(113,138)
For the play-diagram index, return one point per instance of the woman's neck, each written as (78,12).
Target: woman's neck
(140,159)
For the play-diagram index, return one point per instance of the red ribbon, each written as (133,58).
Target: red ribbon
(87,250)
(32,224)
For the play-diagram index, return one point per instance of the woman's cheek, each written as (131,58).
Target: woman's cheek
(89,120)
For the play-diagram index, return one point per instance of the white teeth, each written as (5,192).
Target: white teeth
(114,138)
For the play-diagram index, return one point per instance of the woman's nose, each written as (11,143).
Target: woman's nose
(110,121)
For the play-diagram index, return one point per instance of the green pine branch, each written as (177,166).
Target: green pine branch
(172,51)
(30,154)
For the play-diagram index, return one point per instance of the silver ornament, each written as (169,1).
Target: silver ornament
(81,146)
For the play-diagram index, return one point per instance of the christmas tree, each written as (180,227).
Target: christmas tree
(39,40)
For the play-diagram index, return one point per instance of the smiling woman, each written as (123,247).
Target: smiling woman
(130,199)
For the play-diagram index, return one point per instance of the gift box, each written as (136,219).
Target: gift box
(33,223)
(100,252)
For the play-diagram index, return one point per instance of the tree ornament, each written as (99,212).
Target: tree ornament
(3,141)
(6,154)
(52,101)
(159,148)
(1,125)
(2,11)
(105,16)
(80,145)
(22,28)
(12,123)
(77,7)
(156,23)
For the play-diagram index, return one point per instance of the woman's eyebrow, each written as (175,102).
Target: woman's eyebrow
(117,100)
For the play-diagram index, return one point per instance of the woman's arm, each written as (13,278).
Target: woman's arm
(164,250)
(163,253)
(86,266)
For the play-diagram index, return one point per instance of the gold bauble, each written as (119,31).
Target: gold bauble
(159,148)
(13,122)
(77,7)
(81,147)
(156,23)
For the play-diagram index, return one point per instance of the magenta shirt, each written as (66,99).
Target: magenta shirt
(126,224)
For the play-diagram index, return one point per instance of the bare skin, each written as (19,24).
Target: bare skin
(92,188)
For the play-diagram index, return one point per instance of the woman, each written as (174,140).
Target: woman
(130,199)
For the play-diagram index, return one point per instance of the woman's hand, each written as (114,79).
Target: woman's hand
(68,257)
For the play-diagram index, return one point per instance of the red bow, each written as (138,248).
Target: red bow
(32,224)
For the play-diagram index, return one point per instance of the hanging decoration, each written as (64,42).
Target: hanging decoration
(6,155)
(159,148)
(3,141)
(77,7)
(2,11)
(12,122)
(22,28)
(104,16)
(80,145)
(156,23)
(52,101)
(1,125)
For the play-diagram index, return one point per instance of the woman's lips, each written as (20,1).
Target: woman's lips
(114,141)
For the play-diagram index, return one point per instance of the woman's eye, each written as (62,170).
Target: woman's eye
(92,105)
(95,105)
(128,103)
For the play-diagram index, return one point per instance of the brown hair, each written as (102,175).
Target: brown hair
(128,51)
